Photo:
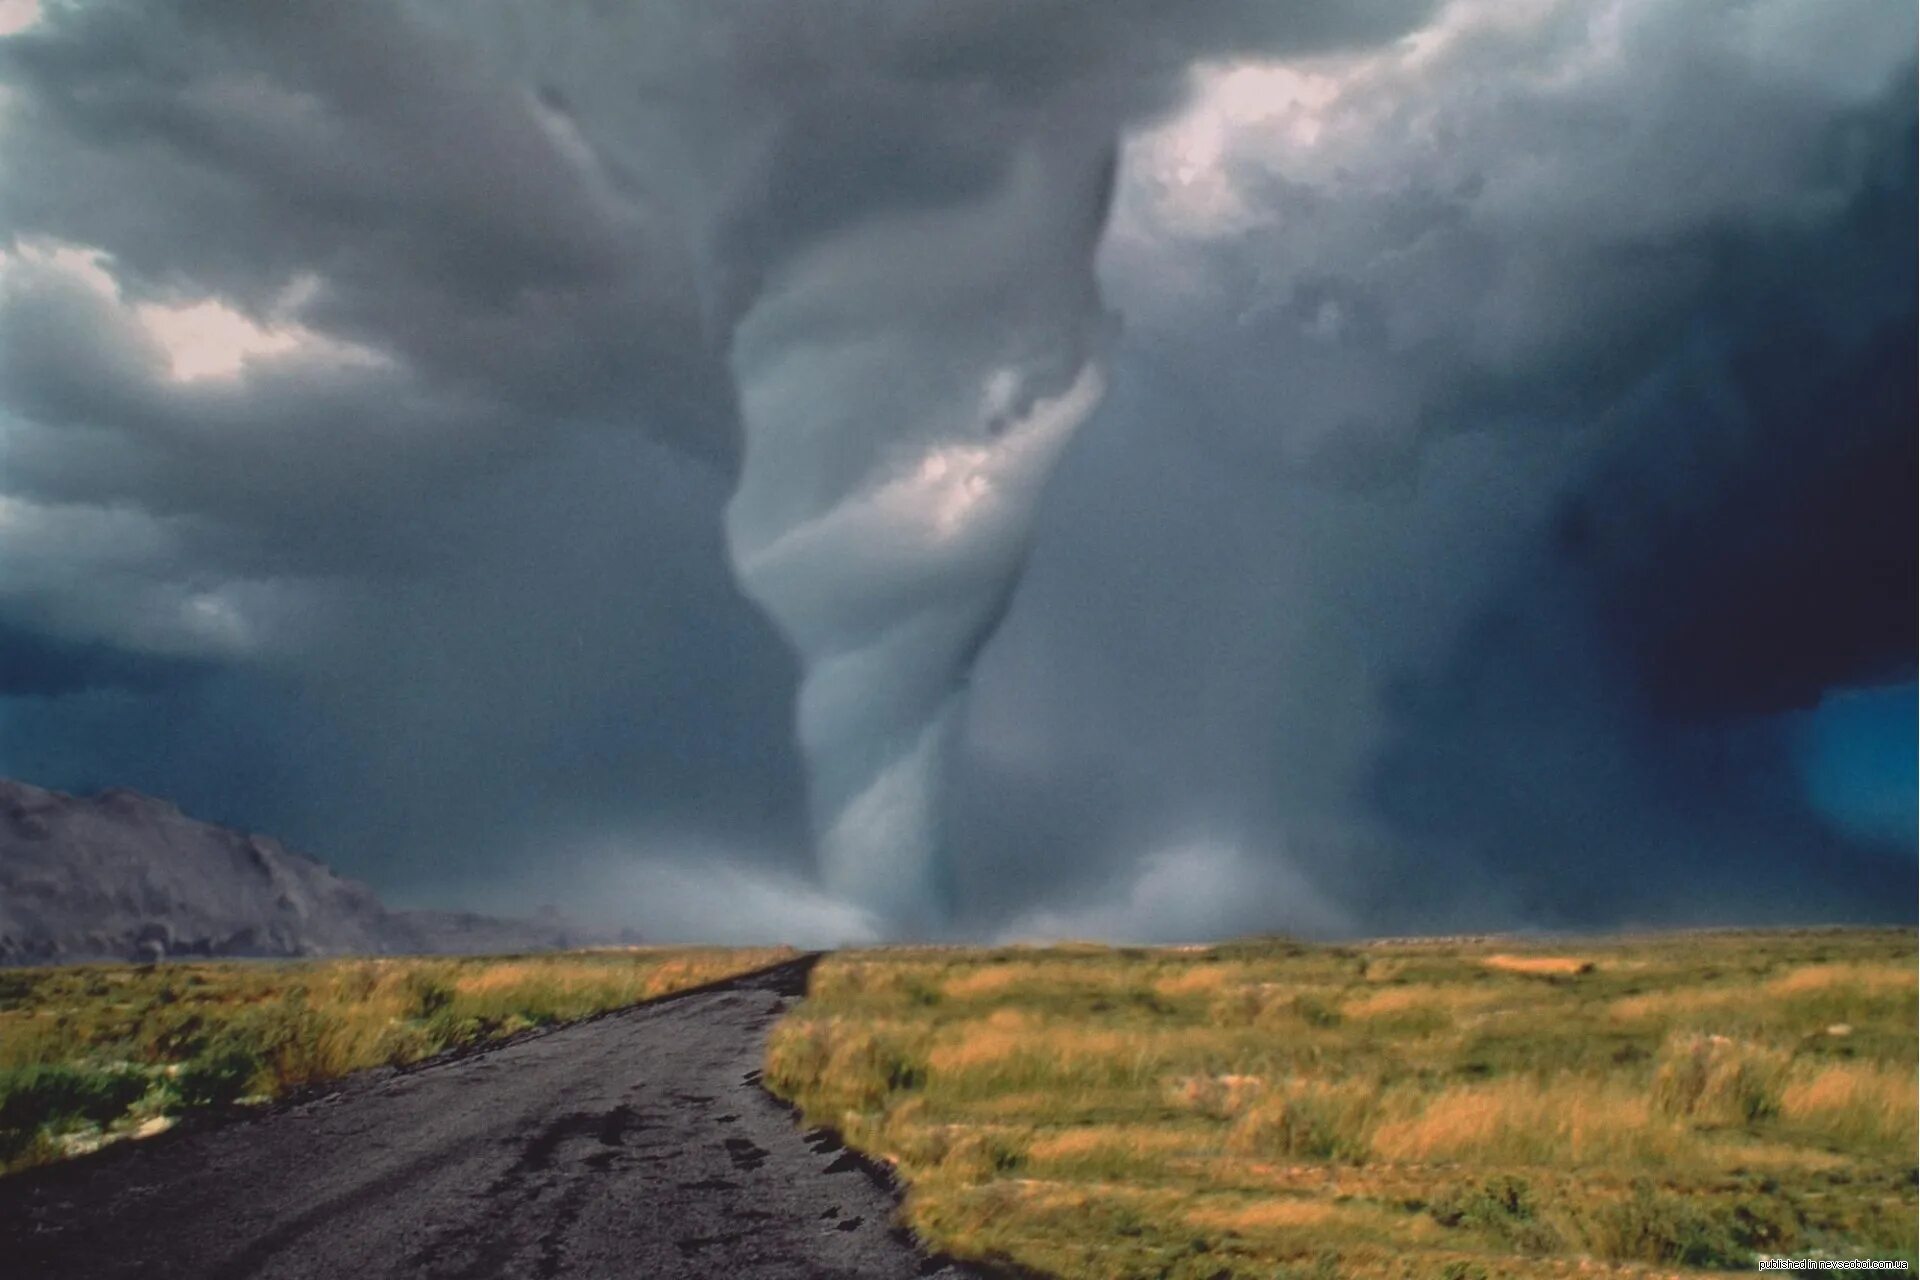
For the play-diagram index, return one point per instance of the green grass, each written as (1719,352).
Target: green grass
(91,1053)
(1648,1105)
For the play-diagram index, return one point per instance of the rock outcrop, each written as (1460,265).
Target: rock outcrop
(125,876)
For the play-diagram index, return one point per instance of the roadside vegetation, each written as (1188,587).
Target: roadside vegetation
(1452,1110)
(90,1053)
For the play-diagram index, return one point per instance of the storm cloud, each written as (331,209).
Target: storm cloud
(1199,468)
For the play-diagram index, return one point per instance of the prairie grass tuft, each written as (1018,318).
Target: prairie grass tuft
(1713,1079)
(1308,1119)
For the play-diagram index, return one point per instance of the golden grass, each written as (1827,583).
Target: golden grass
(983,1046)
(1567,1122)
(1009,1050)
(1391,1002)
(1668,1006)
(1428,1006)
(983,983)
(1419,1110)
(1873,979)
(1200,979)
(1855,1103)
(1539,966)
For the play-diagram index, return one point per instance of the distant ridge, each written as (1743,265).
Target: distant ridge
(125,876)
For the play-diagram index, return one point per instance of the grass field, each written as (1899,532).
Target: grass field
(1454,1110)
(95,1052)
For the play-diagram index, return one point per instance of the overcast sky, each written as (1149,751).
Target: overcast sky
(998,467)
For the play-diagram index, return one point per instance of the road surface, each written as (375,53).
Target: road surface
(638,1145)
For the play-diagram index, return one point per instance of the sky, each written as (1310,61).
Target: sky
(982,469)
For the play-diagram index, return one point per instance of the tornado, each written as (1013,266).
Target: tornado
(891,470)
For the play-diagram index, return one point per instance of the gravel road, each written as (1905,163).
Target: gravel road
(636,1145)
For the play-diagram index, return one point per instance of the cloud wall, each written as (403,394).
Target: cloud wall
(1133,467)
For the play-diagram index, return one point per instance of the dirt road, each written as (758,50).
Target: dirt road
(638,1145)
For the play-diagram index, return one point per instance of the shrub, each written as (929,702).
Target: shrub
(1654,1226)
(1767,1224)
(171,1033)
(448,1029)
(51,1097)
(430,991)
(218,1077)
(1503,1206)
(297,1042)
(405,1044)
(1316,1011)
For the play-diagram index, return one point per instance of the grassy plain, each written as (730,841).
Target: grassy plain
(89,1053)
(1453,1110)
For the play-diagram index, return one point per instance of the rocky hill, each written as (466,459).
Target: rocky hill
(124,876)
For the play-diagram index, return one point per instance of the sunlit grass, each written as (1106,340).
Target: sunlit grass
(1860,1104)
(93,1052)
(1422,1109)
(1540,966)
(1517,1121)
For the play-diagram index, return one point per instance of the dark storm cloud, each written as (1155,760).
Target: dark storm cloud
(1740,549)
(1517,424)
(231,148)
(1495,439)
(1795,574)
(461,611)
(36,665)
(569,668)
